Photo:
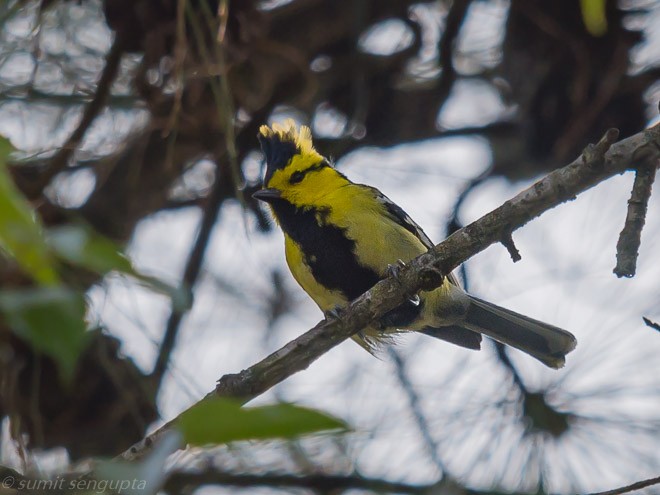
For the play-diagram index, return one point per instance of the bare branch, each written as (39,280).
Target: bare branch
(219,193)
(630,488)
(446,44)
(59,161)
(507,242)
(326,482)
(631,236)
(652,324)
(416,408)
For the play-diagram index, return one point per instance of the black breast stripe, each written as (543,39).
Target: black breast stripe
(328,252)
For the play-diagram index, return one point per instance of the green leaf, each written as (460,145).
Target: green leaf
(218,421)
(593,14)
(51,319)
(82,246)
(20,234)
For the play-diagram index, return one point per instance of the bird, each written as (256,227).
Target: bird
(342,237)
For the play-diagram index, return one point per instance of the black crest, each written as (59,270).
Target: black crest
(278,152)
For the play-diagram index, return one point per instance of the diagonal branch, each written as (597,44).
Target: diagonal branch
(60,160)
(453,23)
(416,408)
(220,191)
(631,488)
(426,272)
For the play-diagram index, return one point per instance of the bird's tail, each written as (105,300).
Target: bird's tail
(547,343)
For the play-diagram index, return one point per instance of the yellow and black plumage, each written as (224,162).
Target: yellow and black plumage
(341,238)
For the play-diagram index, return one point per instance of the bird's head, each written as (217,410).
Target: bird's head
(295,171)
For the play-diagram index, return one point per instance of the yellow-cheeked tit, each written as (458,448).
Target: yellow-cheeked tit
(341,238)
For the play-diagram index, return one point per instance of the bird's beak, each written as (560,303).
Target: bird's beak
(267,195)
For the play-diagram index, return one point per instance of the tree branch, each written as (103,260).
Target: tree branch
(328,482)
(453,24)
(631,236)
(630,488)
(426,272)
(416,409)
(60,160)
(325,482)
(652,324)
(221,190)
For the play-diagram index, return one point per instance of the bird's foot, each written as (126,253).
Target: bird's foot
(334,314)
(395,269)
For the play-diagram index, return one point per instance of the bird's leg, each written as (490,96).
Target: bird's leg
(406,313)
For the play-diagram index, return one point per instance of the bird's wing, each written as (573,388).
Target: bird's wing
(398,215)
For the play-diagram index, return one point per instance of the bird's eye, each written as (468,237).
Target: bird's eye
(296,177)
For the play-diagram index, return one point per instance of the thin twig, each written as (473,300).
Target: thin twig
(651,324)
(180,49)
(60,160)
(228,112)
(627,248)
(191,273)
(454,223)
(426,272)
(453,23)
(507,242)
(508,364)
(418,414)
(325,482)
(630,488)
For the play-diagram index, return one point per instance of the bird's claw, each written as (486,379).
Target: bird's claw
(334,313)
(395,269)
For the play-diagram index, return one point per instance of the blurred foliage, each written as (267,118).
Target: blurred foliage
(225,420)
(82,246)
(51,319)
(21,235)
(595,17)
